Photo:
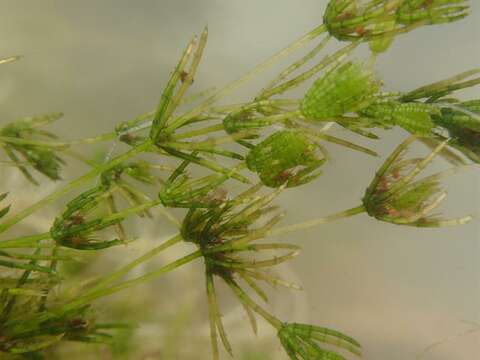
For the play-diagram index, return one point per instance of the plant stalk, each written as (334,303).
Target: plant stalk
(73,185)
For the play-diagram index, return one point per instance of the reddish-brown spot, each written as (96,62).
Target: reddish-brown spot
(184,76)
(344,16)
(76,219)
(76,241)
(393,212)
(78,323)
(217,196)
(283,176)
(396,174)
(383,185)
(360,30)
(128,138)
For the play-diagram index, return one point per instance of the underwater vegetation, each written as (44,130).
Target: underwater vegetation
(222,166)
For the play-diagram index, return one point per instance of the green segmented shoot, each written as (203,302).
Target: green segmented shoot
(382,44)
(439,89)
(78,325)
(228,230)
(395,196)
(73,229)
(348,20)
(185,193)
(224,234)
(431,12)
(31,267)
(416,118)
(462,124)
(216,319)
(114,182)
(248,275)
(329,60)
(18,140)
(181,78)
(4,211)
(301,341)
(160,118)
(344,89)
(296,65)
(285,157)
(214,166)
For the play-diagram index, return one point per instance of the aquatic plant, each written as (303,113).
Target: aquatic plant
(263,146)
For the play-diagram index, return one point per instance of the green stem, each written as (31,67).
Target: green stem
(80,157)
(161,114)
(314,222)
(23,279)
(55,144)
(84,300)
(277,324)
(332,139)
(198,132)
(132,210)
(305,39)
(296,81)
(73,185)
(296,65)
(190,74)
(24,241)
(145,257)
(103,137)
(25,327)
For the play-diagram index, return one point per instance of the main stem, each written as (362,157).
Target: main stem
(145,257)
(272,320)
(84,300)
(251,74)
(227,89)
(73,185)
(24,241)
(56,144)
(90,296)
(314,222)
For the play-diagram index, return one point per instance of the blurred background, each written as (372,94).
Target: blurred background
(395,289)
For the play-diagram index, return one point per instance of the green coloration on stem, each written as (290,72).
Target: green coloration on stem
(439,89)
(106,280)
(315,222)
(73,228)
(300,341)
(4,211)
(286,157)
(298,80)
(348,20)
(345,89)
(73,185)
(30,241)
(160,118)
(416,118)
(90,296)
(393,195)
(228,230)
(462,124)
(322,135)
(299,43)
(185,193)
(382,44)
(41,158)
